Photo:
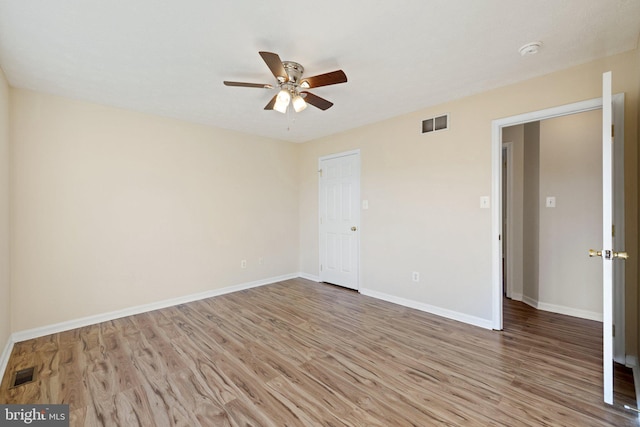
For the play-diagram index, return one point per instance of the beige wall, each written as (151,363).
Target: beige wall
(571,171)
(5,296)
(424,190)
(114,209)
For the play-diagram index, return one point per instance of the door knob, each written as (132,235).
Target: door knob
(621,255)
(608,254)
(353,228)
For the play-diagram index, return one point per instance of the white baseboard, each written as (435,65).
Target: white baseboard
(561,309)
(636,382)
(529,301)
(104,317)
(570,311)
(438,311)
(631,361)
(516,296)
(309,277)
(4,357)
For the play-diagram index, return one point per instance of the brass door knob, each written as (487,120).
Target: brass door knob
(353,228)
(593,252)
(621,255)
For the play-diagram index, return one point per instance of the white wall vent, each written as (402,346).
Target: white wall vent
(435,124)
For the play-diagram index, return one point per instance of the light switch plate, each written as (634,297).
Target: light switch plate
(365,204)
(484,202)
(551,202)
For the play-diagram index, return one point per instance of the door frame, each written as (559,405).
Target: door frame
(355,152)
(496,194)
(507,196)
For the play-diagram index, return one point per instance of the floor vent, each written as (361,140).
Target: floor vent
(23,376)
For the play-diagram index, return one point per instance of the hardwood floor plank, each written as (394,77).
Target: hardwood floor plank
(197,396)
(218,386)
(298,353)
(308,408)
(379,403)
(166,405)
(243,414)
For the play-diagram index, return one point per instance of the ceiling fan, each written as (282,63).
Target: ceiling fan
(291,84)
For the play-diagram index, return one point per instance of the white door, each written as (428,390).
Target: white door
(607,238)
(340,219)
(607,253)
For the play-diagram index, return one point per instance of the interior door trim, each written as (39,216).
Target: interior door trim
(359,222)
(496,184)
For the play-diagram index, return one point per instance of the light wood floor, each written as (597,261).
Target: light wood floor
(298,353)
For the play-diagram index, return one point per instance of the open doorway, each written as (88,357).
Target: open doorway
(613,195)
(552,180)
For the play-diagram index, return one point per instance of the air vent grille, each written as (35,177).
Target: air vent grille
(23,376)
(435,124)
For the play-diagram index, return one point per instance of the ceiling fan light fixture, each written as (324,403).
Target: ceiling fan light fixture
(298,103)
(291,86)
(282,101)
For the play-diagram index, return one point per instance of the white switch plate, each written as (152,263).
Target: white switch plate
(551,202)
(484,202)
(365,204)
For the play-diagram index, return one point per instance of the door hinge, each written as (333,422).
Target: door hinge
(613,230)
(320,267)
(614,330)
(320,172)
(612,131)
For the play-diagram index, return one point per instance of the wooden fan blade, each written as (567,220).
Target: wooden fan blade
(316,101)
(242,84)
(271,103)
(326,79)
(275,65)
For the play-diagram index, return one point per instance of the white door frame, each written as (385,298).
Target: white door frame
(496,194)
(357,213)
(507,148)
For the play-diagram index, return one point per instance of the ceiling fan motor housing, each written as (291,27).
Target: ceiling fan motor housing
(294,71)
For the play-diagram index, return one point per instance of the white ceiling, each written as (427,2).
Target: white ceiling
(170,57)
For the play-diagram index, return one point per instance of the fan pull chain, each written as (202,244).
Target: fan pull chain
(289,120)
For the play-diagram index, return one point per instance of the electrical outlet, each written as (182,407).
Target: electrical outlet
(415,276)
(243,263)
